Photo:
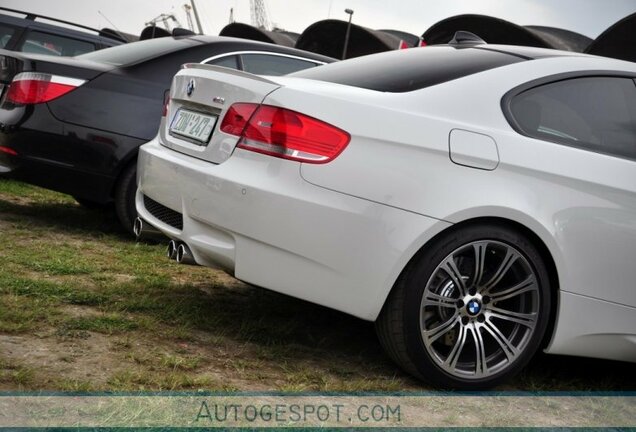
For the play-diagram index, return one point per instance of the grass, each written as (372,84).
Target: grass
(16,375)
(108,324)
(105,313)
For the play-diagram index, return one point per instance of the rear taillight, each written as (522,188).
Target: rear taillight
(34,88)
(236,118)
(8,151)
(284,133)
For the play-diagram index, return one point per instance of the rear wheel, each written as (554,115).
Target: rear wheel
(125,191)
(471,310)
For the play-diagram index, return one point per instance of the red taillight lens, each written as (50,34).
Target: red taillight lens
(34,88)
(236,118)
(8,151)
(284,133)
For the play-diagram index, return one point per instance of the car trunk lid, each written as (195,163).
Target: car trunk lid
(13,63)
(200,97)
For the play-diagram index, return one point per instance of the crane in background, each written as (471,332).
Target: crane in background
(165,19)
(168,19)
(187,8)
(258,14)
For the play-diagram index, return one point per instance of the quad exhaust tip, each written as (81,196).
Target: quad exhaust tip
(144,231)
(180,252)
(171,251)
(184,255)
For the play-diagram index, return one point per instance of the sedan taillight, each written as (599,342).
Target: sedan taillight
(284,133)
(34,88)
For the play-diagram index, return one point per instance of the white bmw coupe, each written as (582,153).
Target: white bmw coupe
(478,202)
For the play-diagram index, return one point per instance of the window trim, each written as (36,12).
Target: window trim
(506,102)
(272,53)
(239,62)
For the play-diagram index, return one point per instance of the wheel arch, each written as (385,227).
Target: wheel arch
(124,163)
(531,235)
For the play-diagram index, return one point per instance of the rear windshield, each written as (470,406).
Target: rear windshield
(410,69)
(135,52)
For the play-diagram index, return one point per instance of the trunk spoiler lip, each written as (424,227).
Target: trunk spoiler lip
(227,71)
(28,58)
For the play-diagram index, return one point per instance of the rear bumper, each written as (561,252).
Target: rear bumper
(67,158)
(59,177)
(6,165)
(255,217)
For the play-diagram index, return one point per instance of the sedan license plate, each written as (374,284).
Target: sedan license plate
(193,125)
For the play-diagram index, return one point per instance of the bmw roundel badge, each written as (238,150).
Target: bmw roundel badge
(474,307)
(190,87)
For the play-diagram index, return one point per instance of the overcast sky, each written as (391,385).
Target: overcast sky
(588,17)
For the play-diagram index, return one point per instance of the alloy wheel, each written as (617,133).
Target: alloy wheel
(479,309)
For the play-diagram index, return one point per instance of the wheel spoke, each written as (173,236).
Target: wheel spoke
(451,269)
(525,319)
(506,346)
(508,261)
(451,361)
(481,366)
(480,258)
(529,284)
(433,334)
(432,299)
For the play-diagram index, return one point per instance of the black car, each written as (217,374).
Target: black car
(74,125)
(39,34)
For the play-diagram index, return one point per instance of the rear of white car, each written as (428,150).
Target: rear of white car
(241,203)
(358,197)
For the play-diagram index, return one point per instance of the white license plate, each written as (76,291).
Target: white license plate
(193,125)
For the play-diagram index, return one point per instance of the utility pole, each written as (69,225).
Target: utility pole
(196,17)
(346,41)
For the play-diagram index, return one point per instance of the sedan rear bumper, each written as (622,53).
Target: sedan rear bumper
(255,217)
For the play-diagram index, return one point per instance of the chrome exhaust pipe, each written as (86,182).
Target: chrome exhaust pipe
(171,251)
(184,255)
(144,231)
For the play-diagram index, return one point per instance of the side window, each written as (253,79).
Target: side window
(266,64)
(592,113)
(5,34)
(44,43)
(228,62)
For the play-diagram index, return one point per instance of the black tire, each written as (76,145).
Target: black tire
(454,361)
(125,191)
